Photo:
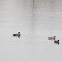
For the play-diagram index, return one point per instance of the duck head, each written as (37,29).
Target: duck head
(54,36)
(18,32)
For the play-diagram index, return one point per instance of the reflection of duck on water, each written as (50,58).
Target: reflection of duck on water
(18,34)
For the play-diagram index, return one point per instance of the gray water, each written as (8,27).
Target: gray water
(36,20)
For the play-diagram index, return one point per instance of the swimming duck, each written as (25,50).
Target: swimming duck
(52,38)
(56,41)
(18,34)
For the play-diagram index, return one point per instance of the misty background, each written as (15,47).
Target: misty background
(36,20)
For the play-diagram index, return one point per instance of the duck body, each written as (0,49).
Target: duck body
(18,34)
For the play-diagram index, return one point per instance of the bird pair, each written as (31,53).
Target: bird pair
(53,38)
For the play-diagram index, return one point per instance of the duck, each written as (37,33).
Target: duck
(52,38)
(56,41)
(18,34)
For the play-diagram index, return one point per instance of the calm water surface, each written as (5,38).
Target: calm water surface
(36,20)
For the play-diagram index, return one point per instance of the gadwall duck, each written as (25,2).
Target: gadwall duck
(18,34)
(52,38)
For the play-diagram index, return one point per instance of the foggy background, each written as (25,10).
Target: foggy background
(36,20)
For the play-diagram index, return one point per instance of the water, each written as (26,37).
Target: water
(36,20)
